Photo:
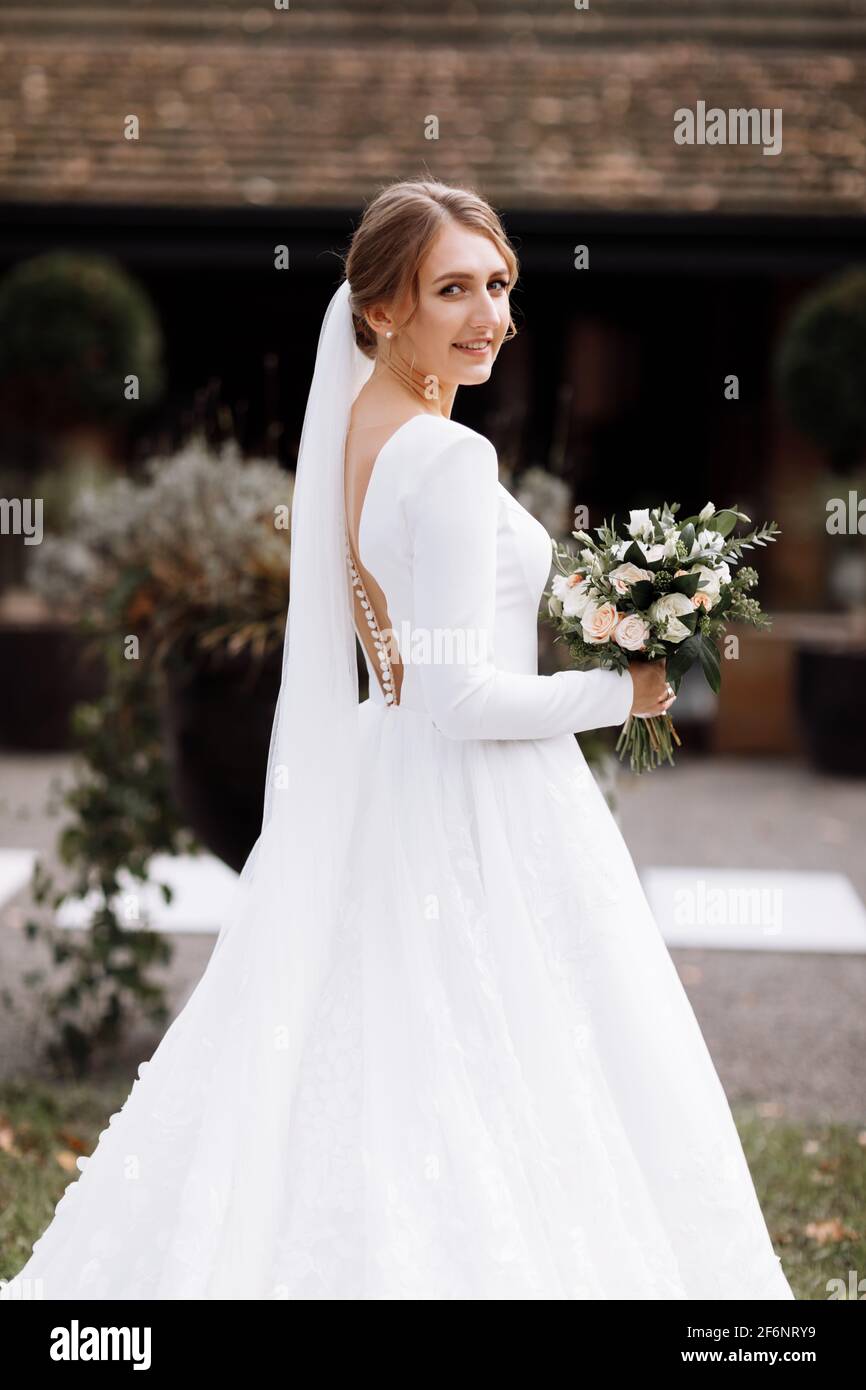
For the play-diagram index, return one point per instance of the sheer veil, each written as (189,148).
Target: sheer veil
(280,932)
(311,783)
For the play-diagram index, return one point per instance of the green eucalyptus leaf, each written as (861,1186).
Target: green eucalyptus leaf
(724,522)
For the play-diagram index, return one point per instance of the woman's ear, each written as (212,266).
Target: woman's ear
(379,320)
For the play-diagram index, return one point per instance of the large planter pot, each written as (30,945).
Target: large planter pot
(216,716)
(48,668)
(831,698)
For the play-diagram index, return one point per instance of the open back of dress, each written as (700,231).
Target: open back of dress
(372,622)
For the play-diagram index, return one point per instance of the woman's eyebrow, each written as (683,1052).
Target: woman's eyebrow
(502,274)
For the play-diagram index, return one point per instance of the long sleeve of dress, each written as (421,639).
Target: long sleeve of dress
(453,518)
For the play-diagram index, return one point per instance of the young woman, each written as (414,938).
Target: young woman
(440,1050)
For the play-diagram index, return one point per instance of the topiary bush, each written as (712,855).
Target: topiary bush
(820,368)
(73,327)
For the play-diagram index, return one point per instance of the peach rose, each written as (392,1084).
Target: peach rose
(599,621)
(625,575)
(631,633)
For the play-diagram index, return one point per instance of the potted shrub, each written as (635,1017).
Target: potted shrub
(188,571)
(182,580)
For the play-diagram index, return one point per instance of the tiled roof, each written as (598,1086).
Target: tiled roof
(541,105)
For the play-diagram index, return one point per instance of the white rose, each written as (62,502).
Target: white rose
(599,621)
(666,611)
(639,527)
(706,512)
(631,633)
(573,590)
(618,550)
(653,553)
(675,631)
(669,606)
(625,575)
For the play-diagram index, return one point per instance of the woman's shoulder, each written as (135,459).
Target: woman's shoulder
(454,464)
(440,434)
(439,453)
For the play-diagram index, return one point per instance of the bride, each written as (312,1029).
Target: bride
(440,1050)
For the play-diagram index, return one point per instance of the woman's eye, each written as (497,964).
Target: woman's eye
(457,286)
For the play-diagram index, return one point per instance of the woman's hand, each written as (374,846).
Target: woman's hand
(652,694)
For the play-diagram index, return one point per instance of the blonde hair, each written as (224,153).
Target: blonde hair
(394,235)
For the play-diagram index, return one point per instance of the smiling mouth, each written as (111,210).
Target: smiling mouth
(476,346)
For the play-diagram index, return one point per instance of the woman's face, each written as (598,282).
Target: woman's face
(462,315)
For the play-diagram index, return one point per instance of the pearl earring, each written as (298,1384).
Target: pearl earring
(389,334)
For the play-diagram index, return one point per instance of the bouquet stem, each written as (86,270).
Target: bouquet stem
(648,742)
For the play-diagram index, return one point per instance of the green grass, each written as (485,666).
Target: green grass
(811,1183)
(43,1129)
(810,1179)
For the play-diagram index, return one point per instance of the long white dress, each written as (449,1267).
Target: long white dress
(505,1093)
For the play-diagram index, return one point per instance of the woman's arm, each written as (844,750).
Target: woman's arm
(453,518)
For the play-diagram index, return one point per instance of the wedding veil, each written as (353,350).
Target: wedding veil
(288,902)
(311,783)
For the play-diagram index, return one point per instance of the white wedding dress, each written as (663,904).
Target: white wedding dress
(504,1092)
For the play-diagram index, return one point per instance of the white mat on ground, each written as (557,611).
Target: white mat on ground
(16,870)
(756,909)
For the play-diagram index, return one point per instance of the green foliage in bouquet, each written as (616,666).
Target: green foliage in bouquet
(665,591)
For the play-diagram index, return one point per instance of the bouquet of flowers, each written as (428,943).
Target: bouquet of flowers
(665,591)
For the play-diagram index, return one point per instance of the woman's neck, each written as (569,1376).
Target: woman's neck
(395,384)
